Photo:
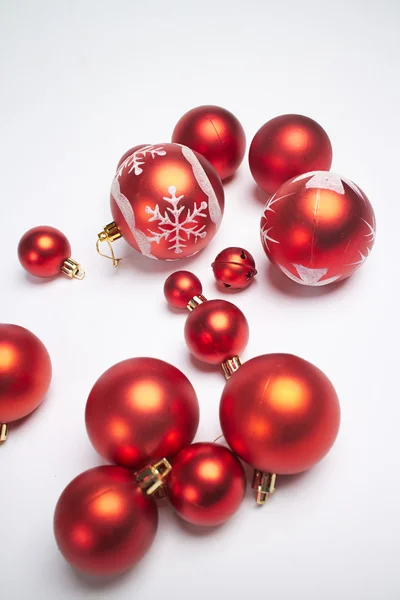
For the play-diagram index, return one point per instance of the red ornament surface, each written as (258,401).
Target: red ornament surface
(129,153)
(215,331)
(103,522)
(167,201)
(288,146)
(207,484)
(141,410)
(234,268)
(279,413)
(43,250)
(25,372)
(215,133)
(180,287)
(318,228)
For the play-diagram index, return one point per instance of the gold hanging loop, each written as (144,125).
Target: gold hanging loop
(115,261)
(109,234)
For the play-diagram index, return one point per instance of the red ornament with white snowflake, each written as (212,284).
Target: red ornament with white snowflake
(318,228)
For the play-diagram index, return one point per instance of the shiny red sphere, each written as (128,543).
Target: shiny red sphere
(103,522)
(234,268)
(180,287)
(207,484)
(141,410)
(215,133)
(167,201)
(279,413)
(318,228)
(215,331)
(43,250)
(25,372)
(288,146)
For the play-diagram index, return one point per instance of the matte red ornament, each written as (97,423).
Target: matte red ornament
(207,484)
(279,413)
(215,331)
(318,228)
(103,522)
(141,410)
(288,146)
(215,133)
(180,287)
(234,268)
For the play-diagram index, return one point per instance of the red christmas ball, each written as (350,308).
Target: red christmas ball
(103,522)
(43,250)
(215,331)
(167,201)
(128,153)
(207,484)
(234,268)
(141,410)
(318,228)
(180,287)
(288,146)
(279,413)
(25,372)
(215,133)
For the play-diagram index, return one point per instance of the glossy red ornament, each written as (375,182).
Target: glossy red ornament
(103,522)
(234,268)
(141,410)
(279,413)
(288,146)
(180,287)
(318,228)
(25,372)
(207,484)
(167,201)
(215,331)
(215,133)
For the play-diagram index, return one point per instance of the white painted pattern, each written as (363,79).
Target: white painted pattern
(135,161)
(308,276)
(264,231)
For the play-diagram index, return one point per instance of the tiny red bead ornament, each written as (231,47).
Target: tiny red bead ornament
(288,146)
(318,228)
(207,484)
(141,410)
(180,287)
(103,522)
(234,268)
(215,133)
(279,413)
(216,331)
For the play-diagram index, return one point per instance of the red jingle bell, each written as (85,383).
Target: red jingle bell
(181,287)
(207,484)
(234,268)
(318,228)
(288,146)
(215,133)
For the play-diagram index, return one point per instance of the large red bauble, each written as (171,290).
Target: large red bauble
(215,133)
(207,484)
(141,410)
(43,250)
(180,287)
(215,331)
(318,228)
(103,522)
(167,201)
(287,146)
(25,372)
(279,413)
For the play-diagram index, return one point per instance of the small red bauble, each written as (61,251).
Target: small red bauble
(318,228)
(215,331)
(25,372)
(141,410)
(167,201)
(279,413)
(103,522)
(207,484)
(180,287)
(234,268)
(288,146)
(215,133)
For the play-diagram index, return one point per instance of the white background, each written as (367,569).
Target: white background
(81,82)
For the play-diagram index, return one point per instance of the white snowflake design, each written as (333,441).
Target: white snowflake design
(264,231)
(135,161)
(308,276)
(171,227)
